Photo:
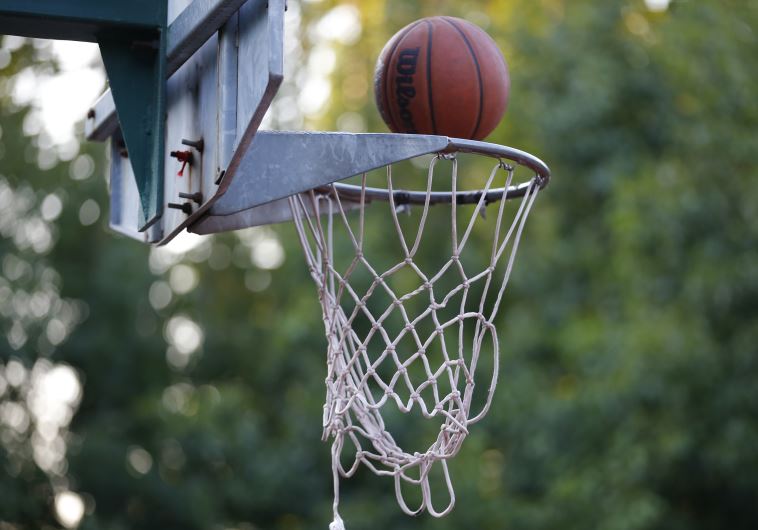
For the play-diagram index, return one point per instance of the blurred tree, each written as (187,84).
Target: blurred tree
(629,395)
(35,316)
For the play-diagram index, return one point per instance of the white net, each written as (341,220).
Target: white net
(409,335)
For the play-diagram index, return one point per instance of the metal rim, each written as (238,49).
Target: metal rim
(456,145)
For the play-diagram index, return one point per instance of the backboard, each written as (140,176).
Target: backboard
(225,64)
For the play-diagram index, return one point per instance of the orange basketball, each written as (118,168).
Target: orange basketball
(442,75)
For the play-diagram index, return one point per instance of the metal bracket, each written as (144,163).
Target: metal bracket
(280,164)
(132,39)
(185,35)
(136,75)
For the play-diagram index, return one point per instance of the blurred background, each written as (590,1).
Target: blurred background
(181,387)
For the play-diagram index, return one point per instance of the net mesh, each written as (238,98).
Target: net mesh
(410,336)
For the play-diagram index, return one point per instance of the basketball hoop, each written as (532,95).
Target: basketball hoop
(402,340)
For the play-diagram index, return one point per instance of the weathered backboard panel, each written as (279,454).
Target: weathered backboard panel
(192,95)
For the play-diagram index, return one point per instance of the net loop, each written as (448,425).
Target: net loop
(406,338)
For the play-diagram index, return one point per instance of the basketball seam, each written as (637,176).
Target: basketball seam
(387,69)
(478,74)
(429,76)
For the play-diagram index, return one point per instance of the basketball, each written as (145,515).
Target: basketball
(442,75)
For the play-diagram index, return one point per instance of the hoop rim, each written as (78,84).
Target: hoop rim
(456,145)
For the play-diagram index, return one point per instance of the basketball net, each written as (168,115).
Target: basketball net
(383,358)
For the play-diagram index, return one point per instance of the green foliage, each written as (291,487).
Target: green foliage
(628,395)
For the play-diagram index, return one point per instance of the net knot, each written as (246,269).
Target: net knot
(505,166)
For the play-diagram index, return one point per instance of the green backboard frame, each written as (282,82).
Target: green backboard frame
(132,40)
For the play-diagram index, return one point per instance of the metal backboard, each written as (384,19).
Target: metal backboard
(225,64)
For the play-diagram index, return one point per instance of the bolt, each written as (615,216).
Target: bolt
(184,207)
(197,144)
(91,114)
(185,157)
(197,196)
(182,156)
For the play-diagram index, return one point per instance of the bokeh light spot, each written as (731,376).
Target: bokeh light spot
(139,459)
(89,212)
(159,295)
(257,281)
(184,334)
(51,207)
(268,253)
(657,5)
(183,278)
(69,508)
(82,167)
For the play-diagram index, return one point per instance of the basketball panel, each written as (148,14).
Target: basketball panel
(407,86)
(455,80)
(382,88)
(494,74)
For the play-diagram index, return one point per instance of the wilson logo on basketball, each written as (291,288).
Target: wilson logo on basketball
(404,90)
